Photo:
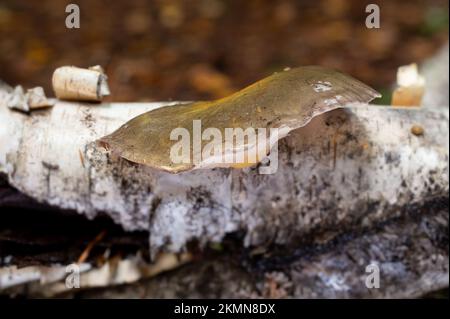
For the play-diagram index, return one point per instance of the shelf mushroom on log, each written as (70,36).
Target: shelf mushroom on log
(342,180)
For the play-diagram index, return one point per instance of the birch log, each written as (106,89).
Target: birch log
(410,252)
(349,168)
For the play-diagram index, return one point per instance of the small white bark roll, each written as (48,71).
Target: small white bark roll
(411,86)
(72,83)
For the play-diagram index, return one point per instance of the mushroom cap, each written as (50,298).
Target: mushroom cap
(285,100)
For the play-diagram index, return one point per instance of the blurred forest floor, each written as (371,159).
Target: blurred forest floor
(190,50)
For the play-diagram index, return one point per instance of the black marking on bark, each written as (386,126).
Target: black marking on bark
(49,169)
(282,256)
(392,158)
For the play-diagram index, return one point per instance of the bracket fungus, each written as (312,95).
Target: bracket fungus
(283,101)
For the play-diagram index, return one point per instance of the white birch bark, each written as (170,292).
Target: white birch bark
(348,168)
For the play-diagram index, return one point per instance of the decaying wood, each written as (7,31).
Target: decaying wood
(49,281)
(411,253)
(347,168)
(355,186)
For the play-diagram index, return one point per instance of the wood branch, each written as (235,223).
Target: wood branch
(348,168)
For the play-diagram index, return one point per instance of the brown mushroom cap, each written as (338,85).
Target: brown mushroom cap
(288,99)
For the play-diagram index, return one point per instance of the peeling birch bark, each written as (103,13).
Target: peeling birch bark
(37,98)
(72,83)
(411,86)
(31,100)
(48,281)
(347,169)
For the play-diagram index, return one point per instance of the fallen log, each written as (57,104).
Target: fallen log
(358,186)
(410,253)
(348,168)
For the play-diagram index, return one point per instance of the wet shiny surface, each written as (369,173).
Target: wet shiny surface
(287,99)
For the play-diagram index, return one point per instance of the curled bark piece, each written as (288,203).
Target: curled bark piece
(33,99)
(72,83)
(50,280)
(284,101)
(36,98)
(97,68)
(17,100)
(411,87)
